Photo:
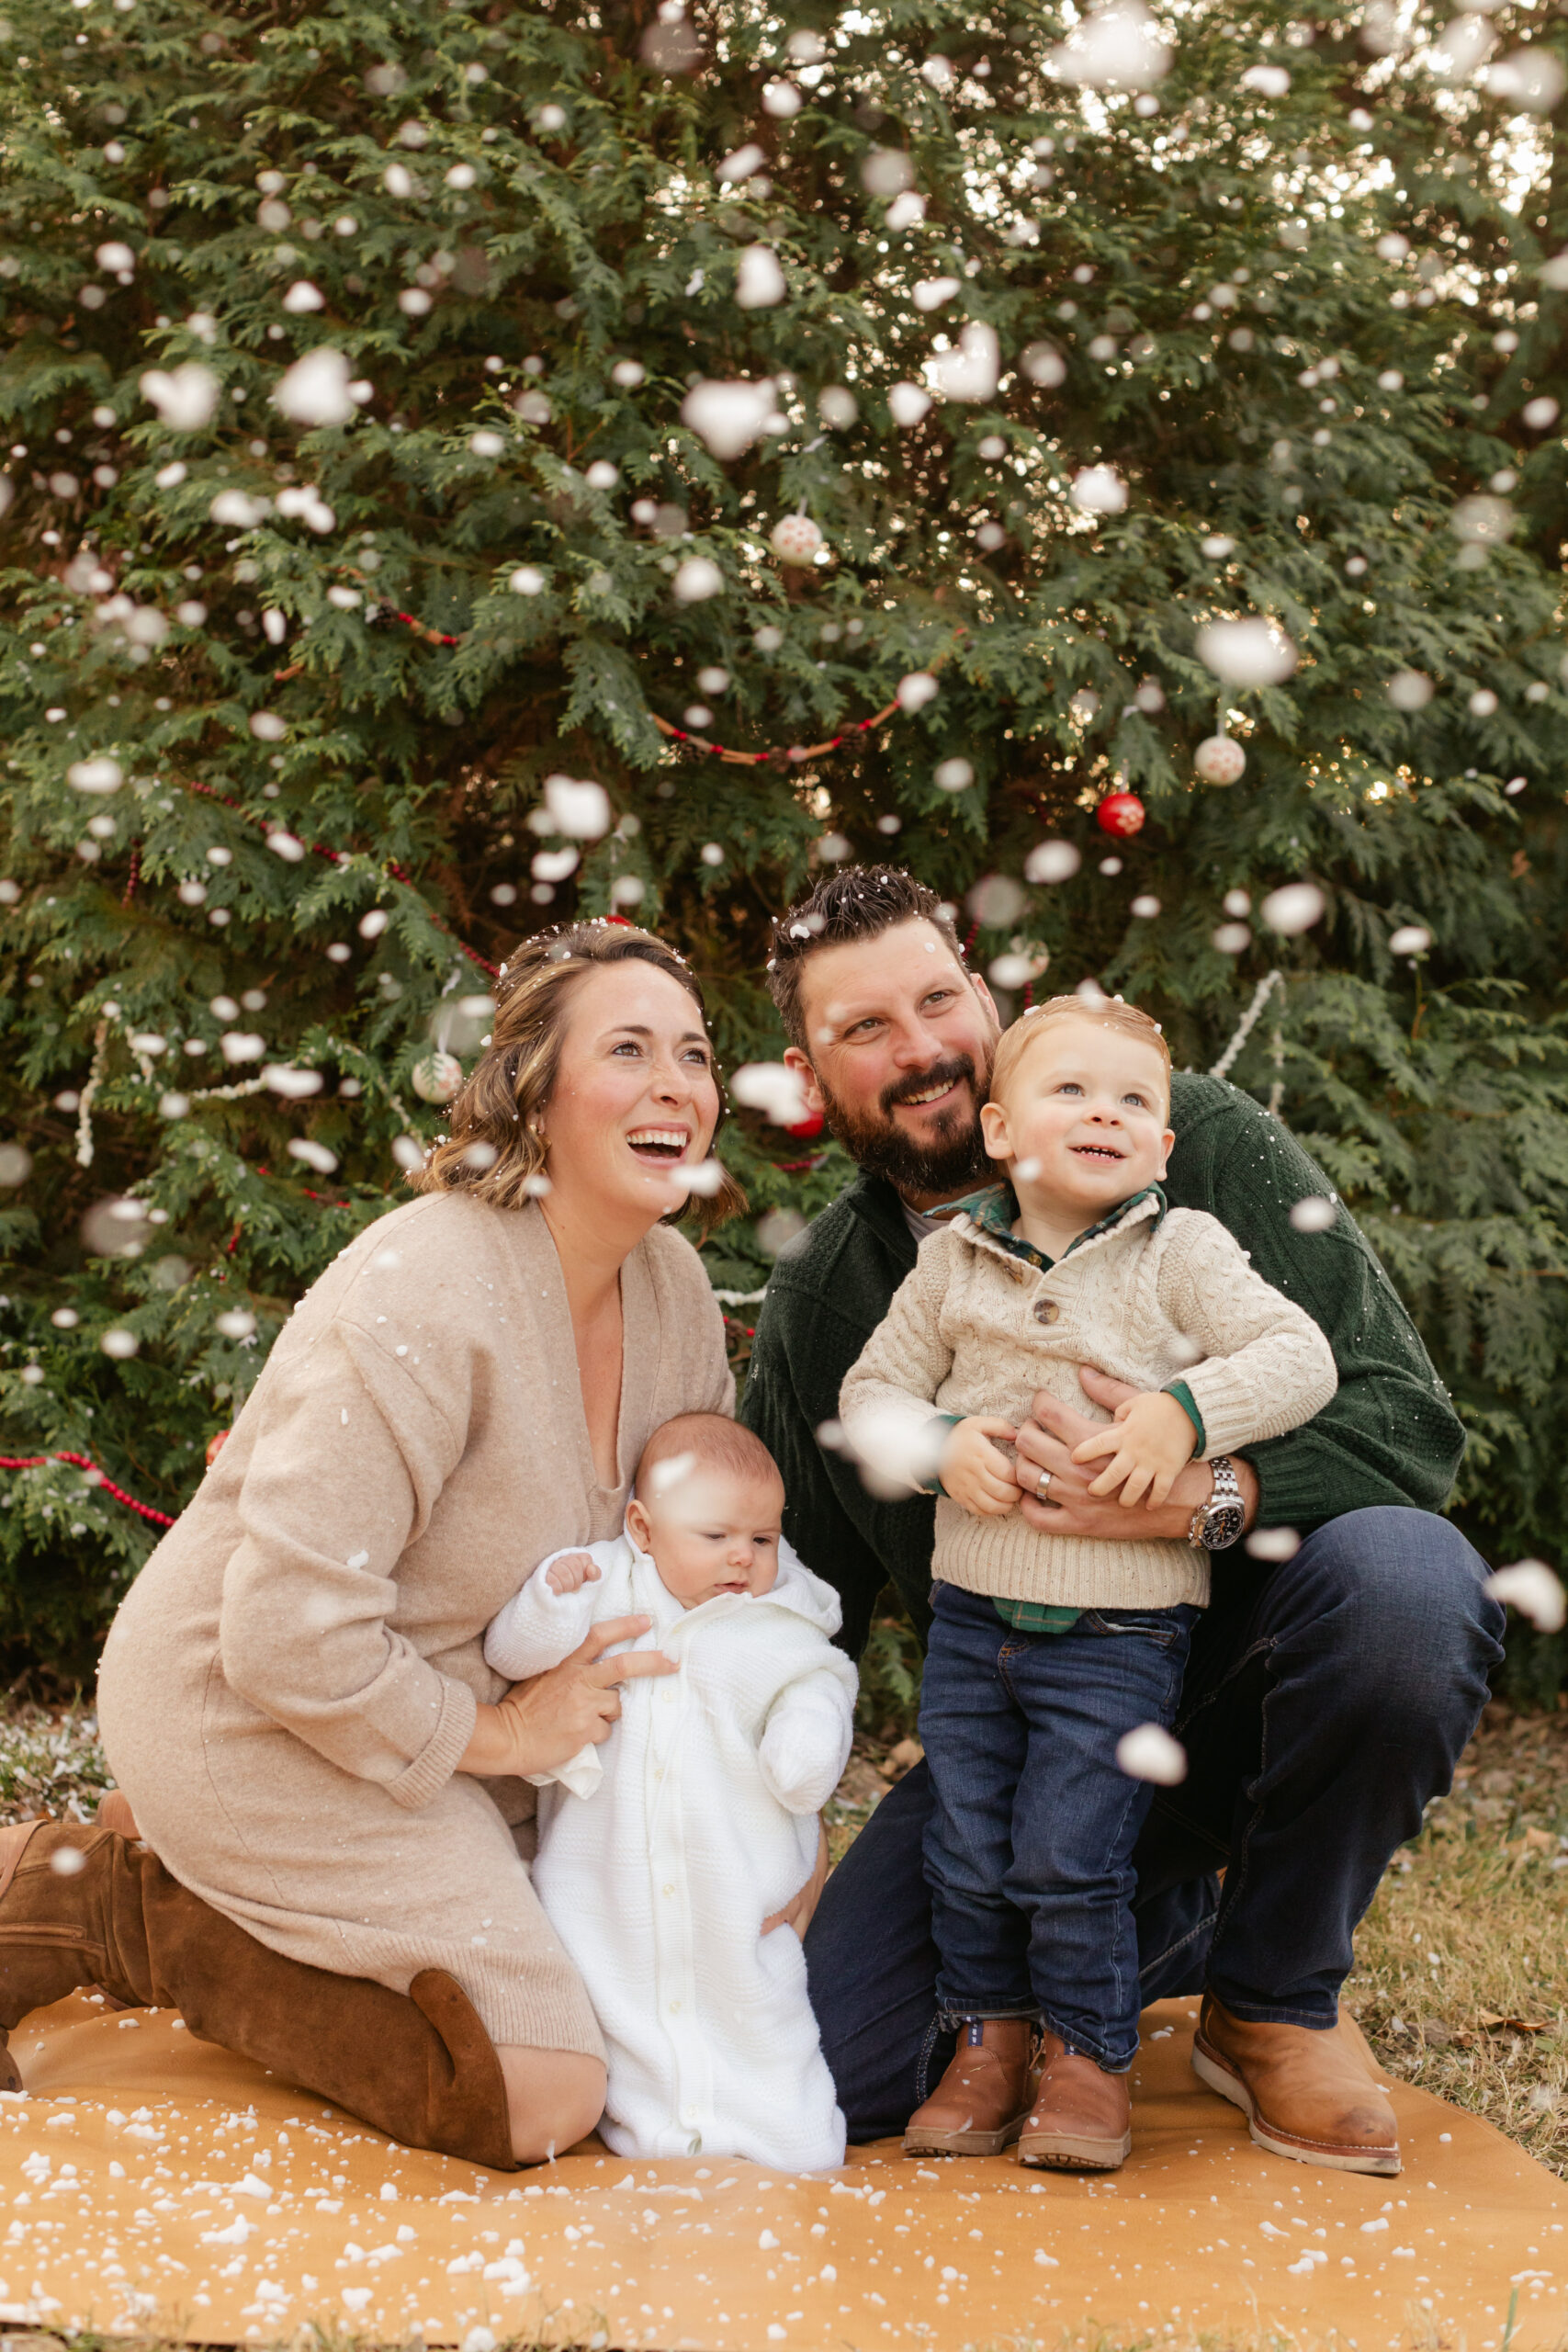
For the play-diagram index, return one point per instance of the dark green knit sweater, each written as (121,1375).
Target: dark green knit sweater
(1390,1435)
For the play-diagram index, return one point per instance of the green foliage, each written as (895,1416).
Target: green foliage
(511,226)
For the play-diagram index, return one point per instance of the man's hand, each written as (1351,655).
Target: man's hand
(1046,1442)
(570,1572)
(797,1915)
(976,1474)
(544,1721)
(1150,1441)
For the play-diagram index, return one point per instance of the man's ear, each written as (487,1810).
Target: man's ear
(1167,1145)
(994,1128)
(638,1525)
(795,1060)
(984,993)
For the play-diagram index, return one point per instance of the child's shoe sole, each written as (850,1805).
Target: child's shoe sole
(1070,2152)
(918,2142)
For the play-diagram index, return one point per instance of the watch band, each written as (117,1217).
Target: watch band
(1218,1524)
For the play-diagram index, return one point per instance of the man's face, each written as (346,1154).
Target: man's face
(900,1040)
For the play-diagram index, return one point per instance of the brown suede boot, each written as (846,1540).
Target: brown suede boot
(80,1905)
(1081,2120)
(977,2108)
(1305,2094)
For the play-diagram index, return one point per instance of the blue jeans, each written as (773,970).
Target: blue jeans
(1325,1702)
(1029,1842)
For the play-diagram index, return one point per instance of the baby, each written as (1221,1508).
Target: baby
(1046,1650)
(662,1851)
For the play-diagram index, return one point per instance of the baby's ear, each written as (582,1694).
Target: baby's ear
(994,1128)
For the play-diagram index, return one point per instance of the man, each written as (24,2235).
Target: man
(1332,1685)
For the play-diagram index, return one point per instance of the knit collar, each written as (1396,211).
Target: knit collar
(992,1211)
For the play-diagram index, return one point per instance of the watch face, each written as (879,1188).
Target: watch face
(1223,1525)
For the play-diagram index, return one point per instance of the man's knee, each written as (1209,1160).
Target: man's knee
(1401,1596)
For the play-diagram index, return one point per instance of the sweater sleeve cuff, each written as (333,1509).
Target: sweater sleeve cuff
(933,1485)
(1189,1403)
(437,1759)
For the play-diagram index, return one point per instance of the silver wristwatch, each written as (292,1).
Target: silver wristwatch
(1218,1524)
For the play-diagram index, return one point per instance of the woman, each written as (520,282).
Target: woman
(293,1696)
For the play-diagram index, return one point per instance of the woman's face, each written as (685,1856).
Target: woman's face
(636,1100)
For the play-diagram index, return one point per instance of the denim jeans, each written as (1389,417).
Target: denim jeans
(1029,1843)
(1325,1702)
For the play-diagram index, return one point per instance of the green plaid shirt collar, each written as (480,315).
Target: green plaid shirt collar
(993,1210)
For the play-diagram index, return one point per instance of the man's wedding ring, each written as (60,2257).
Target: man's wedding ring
(1043,1482)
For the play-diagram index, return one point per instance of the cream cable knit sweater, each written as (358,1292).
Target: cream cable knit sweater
(292,1677)
(1156,1298)
(662,1850)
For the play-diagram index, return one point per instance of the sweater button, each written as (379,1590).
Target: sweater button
(1046,1310)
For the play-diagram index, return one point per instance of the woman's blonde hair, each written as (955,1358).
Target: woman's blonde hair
(498,1107)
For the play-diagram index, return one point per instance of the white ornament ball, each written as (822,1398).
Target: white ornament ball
(437,1078)
(795,539)
(1218,759)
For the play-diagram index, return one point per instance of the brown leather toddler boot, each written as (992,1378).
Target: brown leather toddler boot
(1305,2093)
(1081,2120)
(977,2108)
(80,1905)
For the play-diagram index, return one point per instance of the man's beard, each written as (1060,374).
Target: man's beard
(953,1160)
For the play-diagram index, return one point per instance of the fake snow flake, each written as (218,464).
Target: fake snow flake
(1273,1544)
(953,775)
(526,580)
(1294,907)
(908,403)
(1052,861)
(1410,939)
(486,445)
(1316,1214)
(1044,365)
(744,164)
(1540,414)
(100,775)
(898,1451)
(916,690)
(579,807)
(1409,690)
(302,296)
(1149,1753)
(781,99)
(728,417)
(759,281)
(629,374)
(67,1861)
(771,1088)
(696,580)
(234,506)
(236,1323)
(185,397)
(119,1343)
(1530,1587)
(1246,653)
(409,1153)
(1114,47)
(1532,79)
(970,372)
(266,727)
(931,293)
(1099,489)
(1268,81)
(314,1155)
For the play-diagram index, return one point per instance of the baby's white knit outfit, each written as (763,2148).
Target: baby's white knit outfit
(663,1850)
(1155,1296)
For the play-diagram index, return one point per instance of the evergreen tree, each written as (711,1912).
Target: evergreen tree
(412,408)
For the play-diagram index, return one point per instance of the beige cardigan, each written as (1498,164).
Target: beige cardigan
(293,1678)
(1160,1295)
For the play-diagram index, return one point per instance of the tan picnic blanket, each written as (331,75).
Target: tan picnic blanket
(148,2183)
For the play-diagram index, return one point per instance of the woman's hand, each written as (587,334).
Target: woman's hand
(798,1914)
(541,1723)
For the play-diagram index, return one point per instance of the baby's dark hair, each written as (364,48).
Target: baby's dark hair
(711,1438)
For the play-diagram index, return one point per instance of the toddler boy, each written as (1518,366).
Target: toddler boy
(662,1851)
(1046,1650)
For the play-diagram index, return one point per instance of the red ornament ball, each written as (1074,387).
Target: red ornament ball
(1121,813)
(812,1125)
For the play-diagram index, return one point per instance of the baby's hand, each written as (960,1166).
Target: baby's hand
(570,1572)
(976,1473)
(1151,1441)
